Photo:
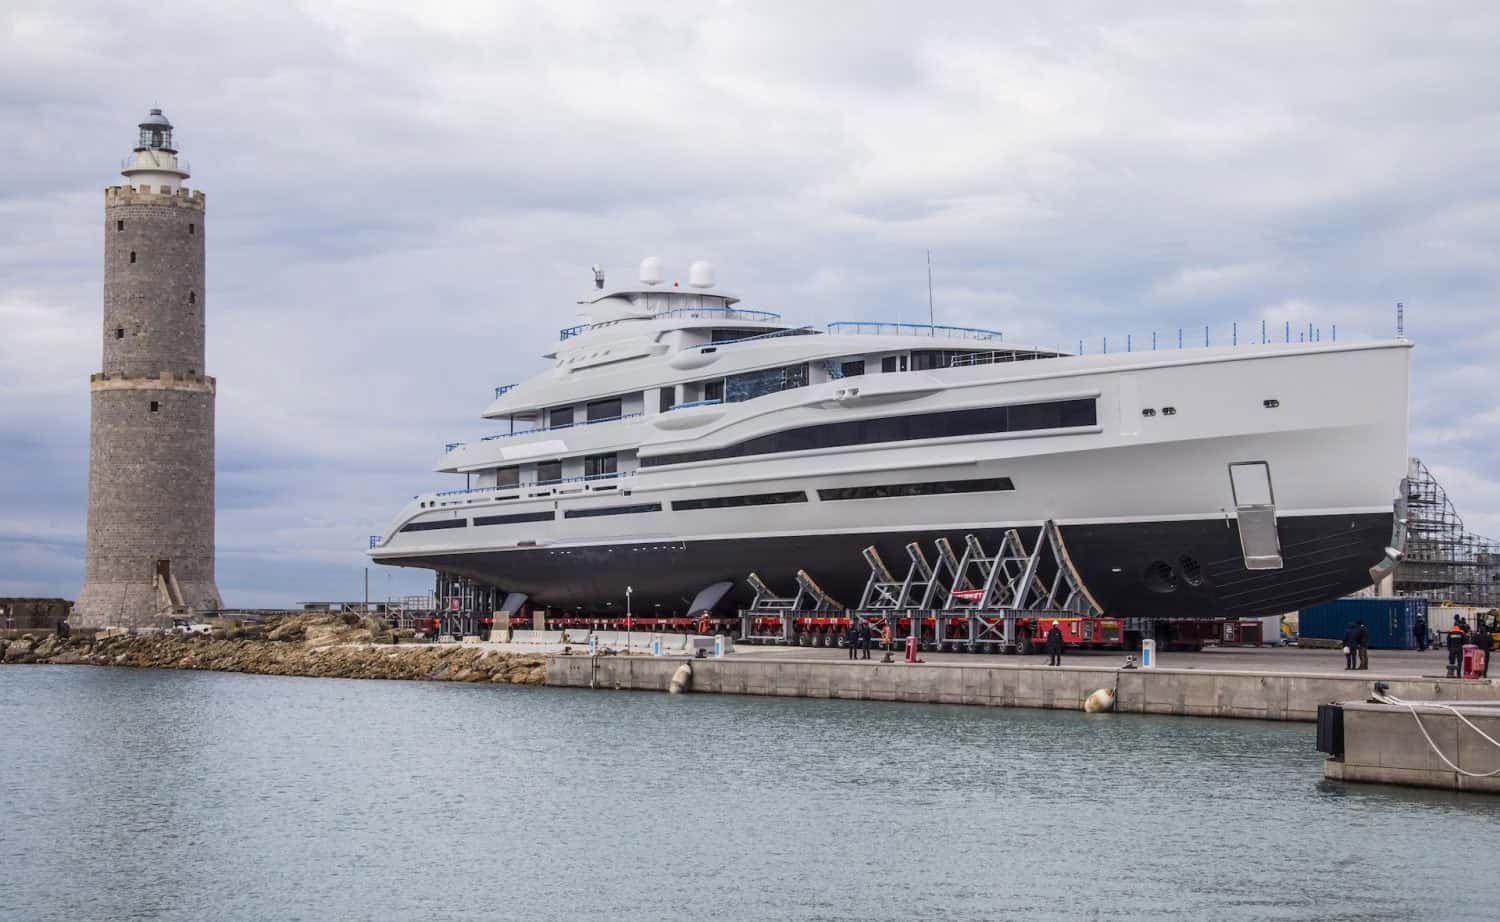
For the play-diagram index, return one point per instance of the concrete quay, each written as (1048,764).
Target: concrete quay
(1265,694)
(1384,744)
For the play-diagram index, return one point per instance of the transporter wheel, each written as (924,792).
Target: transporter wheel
(1026,645)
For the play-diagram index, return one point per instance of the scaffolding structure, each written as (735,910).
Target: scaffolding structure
(1443,561)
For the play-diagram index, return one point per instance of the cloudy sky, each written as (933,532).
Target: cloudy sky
(405,199)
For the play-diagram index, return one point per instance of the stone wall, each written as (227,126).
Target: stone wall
(1191,692)
(151,432)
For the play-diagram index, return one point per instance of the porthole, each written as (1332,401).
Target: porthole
(1148,412)
(1270,404)
(1192,573)
(1159,577)
(1169,411)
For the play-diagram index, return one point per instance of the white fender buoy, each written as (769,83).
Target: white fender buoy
(1100,701)
(682,679)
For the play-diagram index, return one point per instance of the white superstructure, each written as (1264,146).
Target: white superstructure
(679,440)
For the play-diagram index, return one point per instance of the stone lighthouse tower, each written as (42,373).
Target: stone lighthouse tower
(150,548)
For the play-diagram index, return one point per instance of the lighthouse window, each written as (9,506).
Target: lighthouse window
(192,297)
(119,225)
(119,332)
(132,255)
(192,228)
(155,406)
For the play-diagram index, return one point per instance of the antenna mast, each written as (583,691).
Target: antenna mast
(931,317)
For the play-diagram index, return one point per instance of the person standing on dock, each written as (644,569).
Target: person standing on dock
(1364,645)
(1456,646)
(1351,646)
(1485,640)
(1419,630)
(865,636)
(851,638)
(1054,645)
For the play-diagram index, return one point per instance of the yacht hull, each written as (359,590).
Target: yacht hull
(1323,556)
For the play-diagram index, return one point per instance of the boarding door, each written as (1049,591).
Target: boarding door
(1255,509)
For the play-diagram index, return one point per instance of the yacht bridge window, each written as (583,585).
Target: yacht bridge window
(1055,414)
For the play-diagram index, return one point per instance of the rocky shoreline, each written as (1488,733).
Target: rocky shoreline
(324,646)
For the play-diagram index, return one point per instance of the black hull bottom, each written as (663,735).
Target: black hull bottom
(1191,569)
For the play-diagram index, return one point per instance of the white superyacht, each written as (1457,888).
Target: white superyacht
(679,442)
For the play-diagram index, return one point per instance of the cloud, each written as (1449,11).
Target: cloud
(403,202)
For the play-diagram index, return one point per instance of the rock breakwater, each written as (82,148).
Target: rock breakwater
(329,646)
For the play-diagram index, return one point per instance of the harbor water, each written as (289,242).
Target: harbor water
(144,794)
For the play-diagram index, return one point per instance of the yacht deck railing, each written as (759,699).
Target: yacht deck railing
(706,313)
(936,331)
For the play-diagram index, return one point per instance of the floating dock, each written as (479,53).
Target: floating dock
(1420,744)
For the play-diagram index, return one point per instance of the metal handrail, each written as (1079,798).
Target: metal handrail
(695,403)
(503,389)
(726,313)
(912,329)
(374,541)
(795,331)
(581,422)
(586,478)
(992,358)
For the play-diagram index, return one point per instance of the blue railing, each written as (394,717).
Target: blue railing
(502,390)
(869,328)
(696,403)
(447,449)
(374,541)
(570,332)
(1254,334)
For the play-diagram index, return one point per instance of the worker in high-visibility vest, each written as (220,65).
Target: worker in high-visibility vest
(1456,635)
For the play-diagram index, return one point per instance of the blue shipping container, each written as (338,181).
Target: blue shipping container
(1389,621)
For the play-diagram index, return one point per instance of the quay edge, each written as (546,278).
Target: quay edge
(1184,692)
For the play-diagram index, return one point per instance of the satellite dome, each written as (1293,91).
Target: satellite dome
(701,274)
(651,271)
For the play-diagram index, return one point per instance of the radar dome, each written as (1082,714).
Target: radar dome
(701,274)
(651,271)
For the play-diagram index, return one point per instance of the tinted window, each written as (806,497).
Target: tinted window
(888,363)
(548,471)
(513,518)
(937,488)
(752,499)
(435,526)
(668,398)
(560,417)
(599,465)
(1060,414)
(713,390)
(853,369)
(508,477)
(604,409)
(611,510)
